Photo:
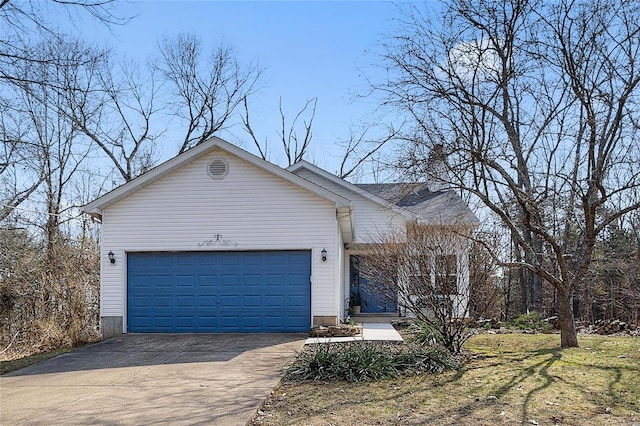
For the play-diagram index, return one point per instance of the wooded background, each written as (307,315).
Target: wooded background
(534,106)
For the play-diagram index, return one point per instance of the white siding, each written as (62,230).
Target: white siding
(251,208)
(372,219)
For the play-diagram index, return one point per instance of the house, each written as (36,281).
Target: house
(219,240)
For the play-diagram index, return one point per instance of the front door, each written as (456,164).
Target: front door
(372,295)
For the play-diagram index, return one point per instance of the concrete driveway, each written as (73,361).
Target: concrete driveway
(151,379)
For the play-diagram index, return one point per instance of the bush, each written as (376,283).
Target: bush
(366,361)
(530,321)
(46,305)
(423,333)
(449,334)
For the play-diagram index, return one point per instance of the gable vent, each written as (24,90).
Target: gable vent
(218,168)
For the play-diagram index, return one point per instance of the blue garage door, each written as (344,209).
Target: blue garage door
(219,292)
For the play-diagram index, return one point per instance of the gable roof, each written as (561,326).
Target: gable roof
(443,207)
(386,203)
(96,207)
(414,201)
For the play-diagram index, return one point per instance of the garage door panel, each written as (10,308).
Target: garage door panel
(275,280)
(219,292)
(185,322)
(251,280)
(187,260)
(162,260)
(253,259)
(229,280)
(252,302)
(297,320)
(227,301)
(298,258)
(207,301)
(276,301)
(163,323)
(297,302)
(207,280)
(275,259)
(185,280)
(141,301)
(230,259)
(160,281)
(140,322)
(142,281)
(207,322)
(185,302)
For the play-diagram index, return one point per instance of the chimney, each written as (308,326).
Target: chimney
(438,178)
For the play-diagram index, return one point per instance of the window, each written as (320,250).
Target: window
(446,274)
(419,278)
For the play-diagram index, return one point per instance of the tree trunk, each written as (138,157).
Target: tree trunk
(568,335)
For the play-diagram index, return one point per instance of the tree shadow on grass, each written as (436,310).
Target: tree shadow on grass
(546,360)
(532,367)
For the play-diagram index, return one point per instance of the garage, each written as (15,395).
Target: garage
(190,292)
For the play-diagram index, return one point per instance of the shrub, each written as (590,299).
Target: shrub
(366,361)
(46,305)
(530,321)
(423,333)
(450,334)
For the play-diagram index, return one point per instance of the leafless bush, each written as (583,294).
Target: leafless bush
(425,271)
(46,305)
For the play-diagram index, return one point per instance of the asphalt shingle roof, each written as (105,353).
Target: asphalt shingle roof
(434,207)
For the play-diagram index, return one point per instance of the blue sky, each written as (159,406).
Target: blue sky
(308,49)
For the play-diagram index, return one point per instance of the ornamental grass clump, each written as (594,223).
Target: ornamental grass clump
(366,361)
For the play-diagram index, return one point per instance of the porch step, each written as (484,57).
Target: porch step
(386,317)
(370,331)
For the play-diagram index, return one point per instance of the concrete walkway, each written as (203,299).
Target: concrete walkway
(144,379)
(370,331)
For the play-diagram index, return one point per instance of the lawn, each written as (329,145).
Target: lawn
(509,379)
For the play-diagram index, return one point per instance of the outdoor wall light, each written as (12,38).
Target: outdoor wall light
(324,254)
(112,257)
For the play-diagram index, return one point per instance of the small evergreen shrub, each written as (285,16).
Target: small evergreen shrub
(530,321)
(366,361)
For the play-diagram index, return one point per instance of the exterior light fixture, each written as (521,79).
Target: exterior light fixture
(112,257)
(324,254)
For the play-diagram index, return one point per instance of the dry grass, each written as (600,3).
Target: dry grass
(512,379)
(15,363)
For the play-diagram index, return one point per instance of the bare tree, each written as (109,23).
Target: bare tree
(294,148)
(207,91)
(20,172)
(537,107)
(486,293)
(56,143)
(423,271)
(49,285)
(361,147)
(121,115)
(22,22)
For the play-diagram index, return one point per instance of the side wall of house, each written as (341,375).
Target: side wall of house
(250,208)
